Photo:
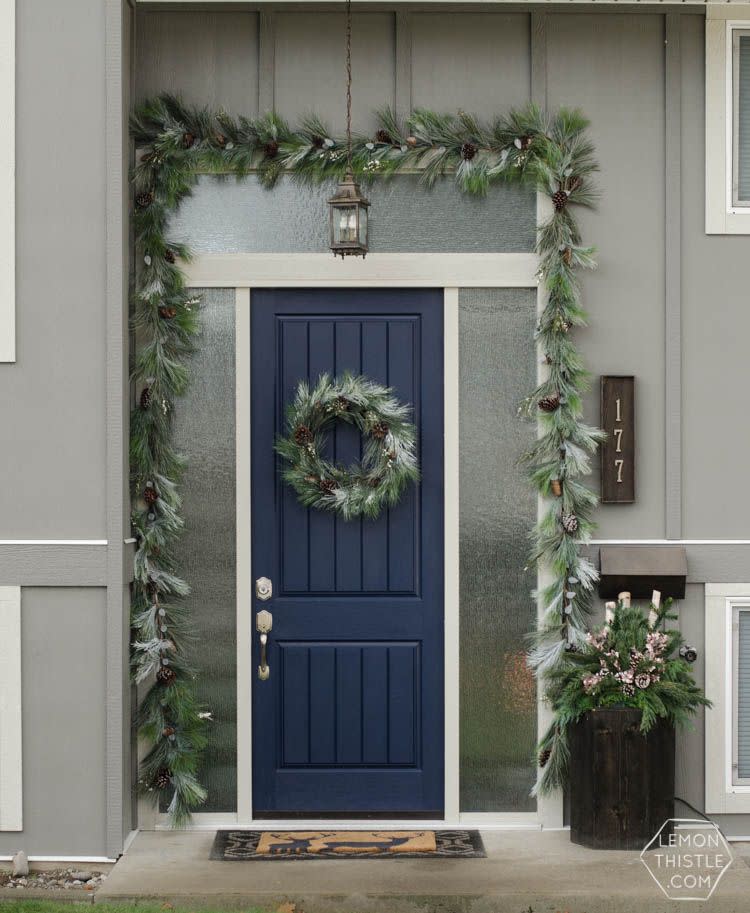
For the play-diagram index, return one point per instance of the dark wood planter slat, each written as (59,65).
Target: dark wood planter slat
(622,782)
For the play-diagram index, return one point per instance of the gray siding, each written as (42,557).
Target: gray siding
(56,392)
(63,680)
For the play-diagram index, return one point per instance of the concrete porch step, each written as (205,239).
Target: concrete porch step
(524,870)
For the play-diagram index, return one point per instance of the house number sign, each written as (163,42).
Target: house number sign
(618,450)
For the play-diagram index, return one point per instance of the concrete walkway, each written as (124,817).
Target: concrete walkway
(541,871)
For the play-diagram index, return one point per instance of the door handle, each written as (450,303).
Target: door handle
(263,624)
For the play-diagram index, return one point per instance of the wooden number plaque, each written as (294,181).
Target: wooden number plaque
(618,450)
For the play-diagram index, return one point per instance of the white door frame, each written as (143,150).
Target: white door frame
(451,272)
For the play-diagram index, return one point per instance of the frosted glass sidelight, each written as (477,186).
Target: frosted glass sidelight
(497,508)
(204,426)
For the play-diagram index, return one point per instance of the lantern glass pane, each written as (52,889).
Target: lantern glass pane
(345,225)
(363,226)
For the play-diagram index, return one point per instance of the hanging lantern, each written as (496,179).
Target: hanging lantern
(348,210)
(348,207)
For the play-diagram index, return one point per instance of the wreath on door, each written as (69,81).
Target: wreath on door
(389,460)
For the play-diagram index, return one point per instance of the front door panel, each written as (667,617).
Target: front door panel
(350,720)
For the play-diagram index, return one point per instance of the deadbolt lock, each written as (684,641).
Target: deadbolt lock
(263,589)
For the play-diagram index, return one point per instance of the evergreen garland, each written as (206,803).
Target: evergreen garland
(550,154)
(389,462)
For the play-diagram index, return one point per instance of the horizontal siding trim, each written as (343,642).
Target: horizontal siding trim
(11,765)
(59,563)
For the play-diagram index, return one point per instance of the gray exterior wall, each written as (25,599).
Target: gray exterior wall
(64,423)
(62,459)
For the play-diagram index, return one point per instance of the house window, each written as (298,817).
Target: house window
(728,688)
(727,123)
(741,117)
(741,702)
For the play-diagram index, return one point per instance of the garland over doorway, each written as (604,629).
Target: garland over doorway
(549,153)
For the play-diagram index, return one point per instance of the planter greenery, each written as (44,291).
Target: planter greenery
(631,662)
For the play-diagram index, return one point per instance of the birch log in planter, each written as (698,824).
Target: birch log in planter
(622,780)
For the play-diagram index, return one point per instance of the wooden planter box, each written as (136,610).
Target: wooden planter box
(621,781)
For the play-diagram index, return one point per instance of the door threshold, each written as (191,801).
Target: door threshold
(485,822)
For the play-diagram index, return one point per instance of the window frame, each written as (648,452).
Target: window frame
(724,215)
(725,793)
(736,205)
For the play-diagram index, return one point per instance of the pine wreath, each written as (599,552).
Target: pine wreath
(389,461)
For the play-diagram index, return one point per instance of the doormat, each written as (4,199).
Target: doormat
(253,846)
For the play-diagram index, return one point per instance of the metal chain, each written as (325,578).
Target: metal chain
(349,84)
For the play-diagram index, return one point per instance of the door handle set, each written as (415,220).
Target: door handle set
(263,625)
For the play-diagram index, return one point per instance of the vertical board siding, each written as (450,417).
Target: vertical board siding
(322,553)
(310,66)
(477,62)
(208,58)
(611,66)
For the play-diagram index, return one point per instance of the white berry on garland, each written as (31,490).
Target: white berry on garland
(389,462)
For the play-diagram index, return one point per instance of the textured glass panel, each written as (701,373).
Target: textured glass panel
(226,215)
(743,119)
(204,432)
(743,696)
(497,509)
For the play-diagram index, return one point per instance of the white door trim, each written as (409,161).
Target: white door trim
(243,272)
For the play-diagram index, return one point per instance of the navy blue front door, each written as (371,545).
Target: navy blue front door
(350,720)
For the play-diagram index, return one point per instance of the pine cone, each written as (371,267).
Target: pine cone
(169,255)
(146,398)
(168,731)
(342,404)
(567,255)
(220,140)
(373,483)
(379,430)
(166,675)
(550,402)
(525,142)
(383,136)
(559,200)
(145,199)
(163,778)
(468,151)
(167,312)
(411,141)
(574,184)
(150,495)
(328,486)
(569,522)
(303,435)
(271,149)
(188,140)
(317,142)
(544,756)
(555,486)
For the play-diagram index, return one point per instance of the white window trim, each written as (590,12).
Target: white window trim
(722,215)
(8,181)
(723,795)
(11,781)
